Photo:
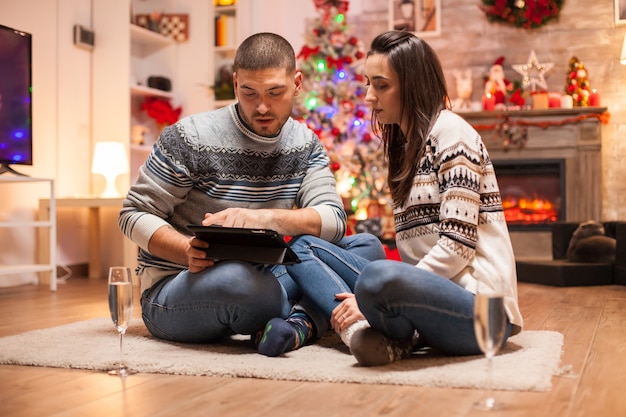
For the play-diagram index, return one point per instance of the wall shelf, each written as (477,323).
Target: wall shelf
(47,269)
(141,90)
(223,54)
(146,41)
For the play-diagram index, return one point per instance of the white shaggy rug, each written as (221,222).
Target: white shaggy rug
(527,362)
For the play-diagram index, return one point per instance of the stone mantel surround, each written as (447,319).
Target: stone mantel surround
(571,134)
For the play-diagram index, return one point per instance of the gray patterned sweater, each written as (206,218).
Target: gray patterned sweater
(209,162)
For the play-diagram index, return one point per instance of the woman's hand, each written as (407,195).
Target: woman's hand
(345,313)
(196,255)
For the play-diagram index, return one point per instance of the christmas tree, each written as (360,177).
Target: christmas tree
(333,105)
(577,82)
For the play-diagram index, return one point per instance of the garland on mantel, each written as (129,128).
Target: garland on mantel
(514,132)
(527,14)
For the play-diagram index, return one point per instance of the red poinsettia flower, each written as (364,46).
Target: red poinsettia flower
(161,110)
(527,14)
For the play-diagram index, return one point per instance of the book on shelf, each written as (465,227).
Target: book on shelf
(225,31)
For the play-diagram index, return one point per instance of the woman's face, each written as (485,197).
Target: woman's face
(383,92)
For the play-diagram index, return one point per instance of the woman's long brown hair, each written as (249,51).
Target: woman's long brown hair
(423,95)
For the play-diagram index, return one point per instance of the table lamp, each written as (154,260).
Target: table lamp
(110,160)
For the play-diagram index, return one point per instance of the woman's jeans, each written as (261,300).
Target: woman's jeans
(240,297)
(398,299)
(327,269)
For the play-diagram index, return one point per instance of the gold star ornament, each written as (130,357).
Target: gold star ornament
(533,73)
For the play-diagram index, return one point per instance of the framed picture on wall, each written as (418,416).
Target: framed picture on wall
(620,12)
(423,17)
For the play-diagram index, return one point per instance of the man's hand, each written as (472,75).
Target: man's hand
(241,217)
(196,255)
(173,246)
(287,222)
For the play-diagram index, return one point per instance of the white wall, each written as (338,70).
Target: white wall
(284,17)
(60,117)
(43,27)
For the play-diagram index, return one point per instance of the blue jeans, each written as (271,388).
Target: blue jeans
(398,298)
(328,269)
(230,297)
(236,297)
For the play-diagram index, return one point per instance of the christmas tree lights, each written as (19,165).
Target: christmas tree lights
(333,105)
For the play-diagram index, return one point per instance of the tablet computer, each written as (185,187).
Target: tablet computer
(264,246)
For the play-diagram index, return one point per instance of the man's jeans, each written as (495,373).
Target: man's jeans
(328,269)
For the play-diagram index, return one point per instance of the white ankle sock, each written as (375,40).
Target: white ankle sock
(346,334)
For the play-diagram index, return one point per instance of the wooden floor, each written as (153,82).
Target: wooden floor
(592,319)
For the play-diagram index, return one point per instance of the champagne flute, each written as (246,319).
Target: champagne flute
(121,307)
(489,326)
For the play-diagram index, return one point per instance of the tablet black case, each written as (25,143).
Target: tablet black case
(264,246)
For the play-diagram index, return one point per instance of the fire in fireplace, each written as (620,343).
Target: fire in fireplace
(533,192)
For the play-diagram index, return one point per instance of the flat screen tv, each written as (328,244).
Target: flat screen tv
(16,128)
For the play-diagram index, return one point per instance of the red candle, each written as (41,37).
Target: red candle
(489,102)
(594,98)
(554,100)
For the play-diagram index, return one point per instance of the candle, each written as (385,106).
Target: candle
(594,98)
(567,102)
(554,100)
(489,102)
(540,101)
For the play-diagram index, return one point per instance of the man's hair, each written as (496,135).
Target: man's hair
(264,51)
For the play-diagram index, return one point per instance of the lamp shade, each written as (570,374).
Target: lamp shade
(110,160)
(622,57)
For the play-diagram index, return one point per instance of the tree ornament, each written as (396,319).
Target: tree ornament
(577,82)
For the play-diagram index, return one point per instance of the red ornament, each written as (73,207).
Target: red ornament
(335,131)
(367,137)
(353,41)
(334,166)
(347,105)
(359,113)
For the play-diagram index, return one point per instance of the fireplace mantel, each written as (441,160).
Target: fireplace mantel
(574,135)
(577,142)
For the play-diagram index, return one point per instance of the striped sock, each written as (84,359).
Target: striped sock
(284,335)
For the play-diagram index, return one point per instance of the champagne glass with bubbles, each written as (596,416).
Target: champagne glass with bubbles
(490,326)
(121,307)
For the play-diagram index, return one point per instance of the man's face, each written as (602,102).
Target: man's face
(266,98)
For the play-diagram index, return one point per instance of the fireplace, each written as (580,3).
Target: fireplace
(533,192)
(568,138)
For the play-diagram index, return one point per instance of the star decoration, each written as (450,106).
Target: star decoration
(533,72)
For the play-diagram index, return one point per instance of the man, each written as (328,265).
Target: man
(247,165)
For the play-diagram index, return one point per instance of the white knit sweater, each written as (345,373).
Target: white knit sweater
(453,222)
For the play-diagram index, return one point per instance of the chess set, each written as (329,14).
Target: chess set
(175,26)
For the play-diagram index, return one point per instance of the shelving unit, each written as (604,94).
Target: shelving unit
(146,46)
(46,271)
(224,54)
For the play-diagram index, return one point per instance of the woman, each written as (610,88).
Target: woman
(450,226)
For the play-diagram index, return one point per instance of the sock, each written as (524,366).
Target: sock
(284,335)
(346,334)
